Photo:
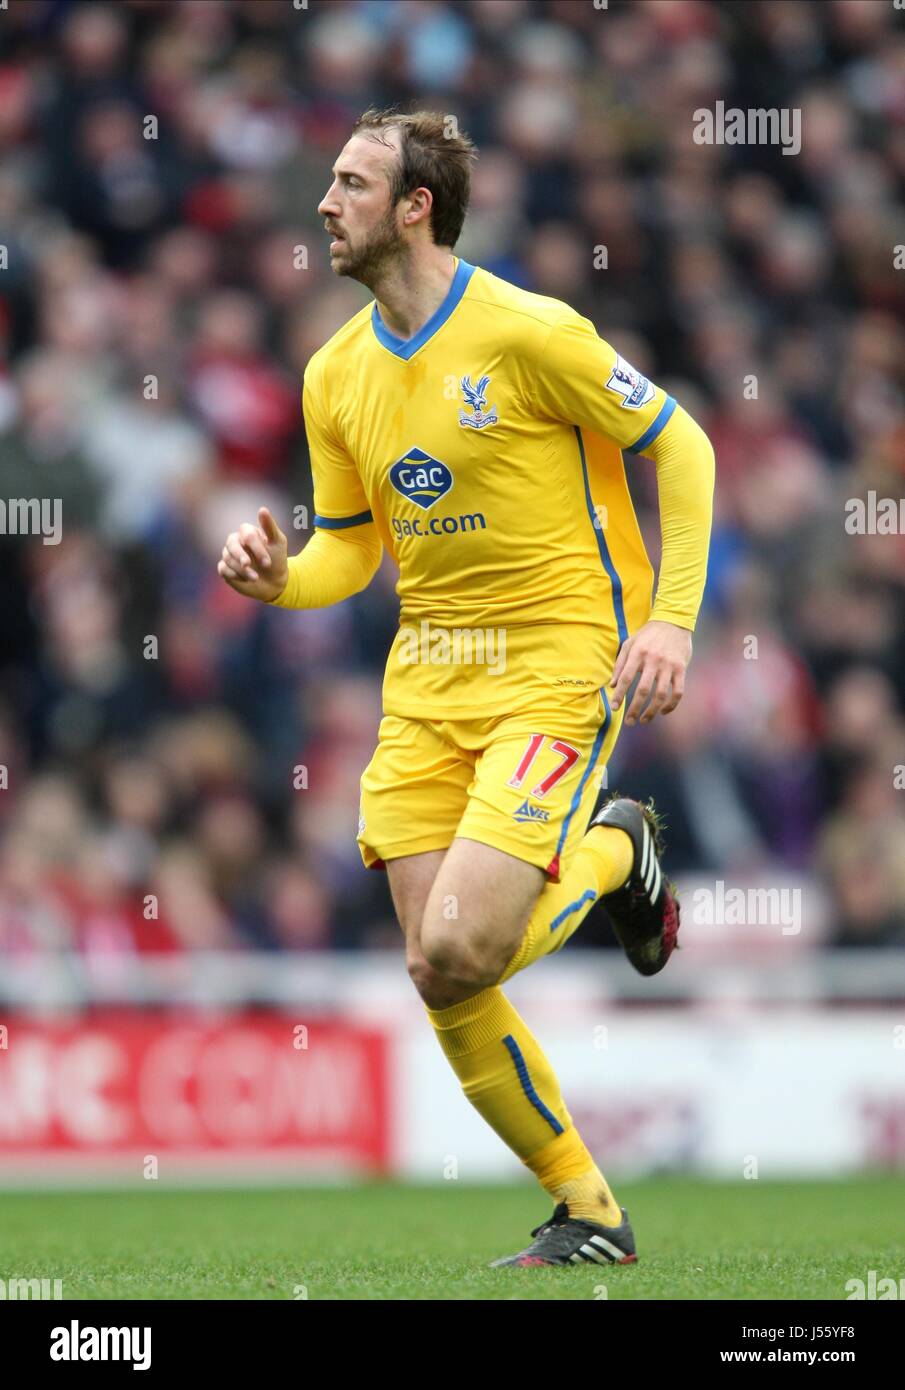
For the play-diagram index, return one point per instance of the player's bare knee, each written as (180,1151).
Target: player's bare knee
(455,957)
(444,953)
(422,975)
(436,990)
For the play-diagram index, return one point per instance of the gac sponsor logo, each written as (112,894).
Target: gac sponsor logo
(420,478)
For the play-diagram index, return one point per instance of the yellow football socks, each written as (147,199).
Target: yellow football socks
(601,864)
(566,1170)
(509,1081)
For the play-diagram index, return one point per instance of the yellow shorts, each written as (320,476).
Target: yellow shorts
(525,783)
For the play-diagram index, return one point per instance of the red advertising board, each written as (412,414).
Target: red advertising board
(252,1088)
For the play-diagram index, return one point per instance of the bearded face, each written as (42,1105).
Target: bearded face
(362,251)
(360,211)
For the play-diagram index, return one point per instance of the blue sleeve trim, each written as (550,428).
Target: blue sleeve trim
(339,523)
(653,430)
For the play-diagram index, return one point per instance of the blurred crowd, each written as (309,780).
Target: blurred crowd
(180,765)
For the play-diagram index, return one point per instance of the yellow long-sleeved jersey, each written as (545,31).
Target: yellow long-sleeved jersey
(485,454)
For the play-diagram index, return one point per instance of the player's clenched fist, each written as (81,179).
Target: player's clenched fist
(254,559)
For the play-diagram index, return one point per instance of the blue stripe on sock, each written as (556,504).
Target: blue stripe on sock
(587,896)
(527,1087)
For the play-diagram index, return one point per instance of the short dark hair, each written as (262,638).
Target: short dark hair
(434,154)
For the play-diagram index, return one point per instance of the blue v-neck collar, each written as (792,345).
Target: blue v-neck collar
(407,347)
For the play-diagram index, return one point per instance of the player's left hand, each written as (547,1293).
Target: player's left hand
(661,653)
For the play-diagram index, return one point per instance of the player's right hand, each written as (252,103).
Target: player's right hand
(255,559)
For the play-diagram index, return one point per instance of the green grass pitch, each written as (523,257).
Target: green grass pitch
(696,1240)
